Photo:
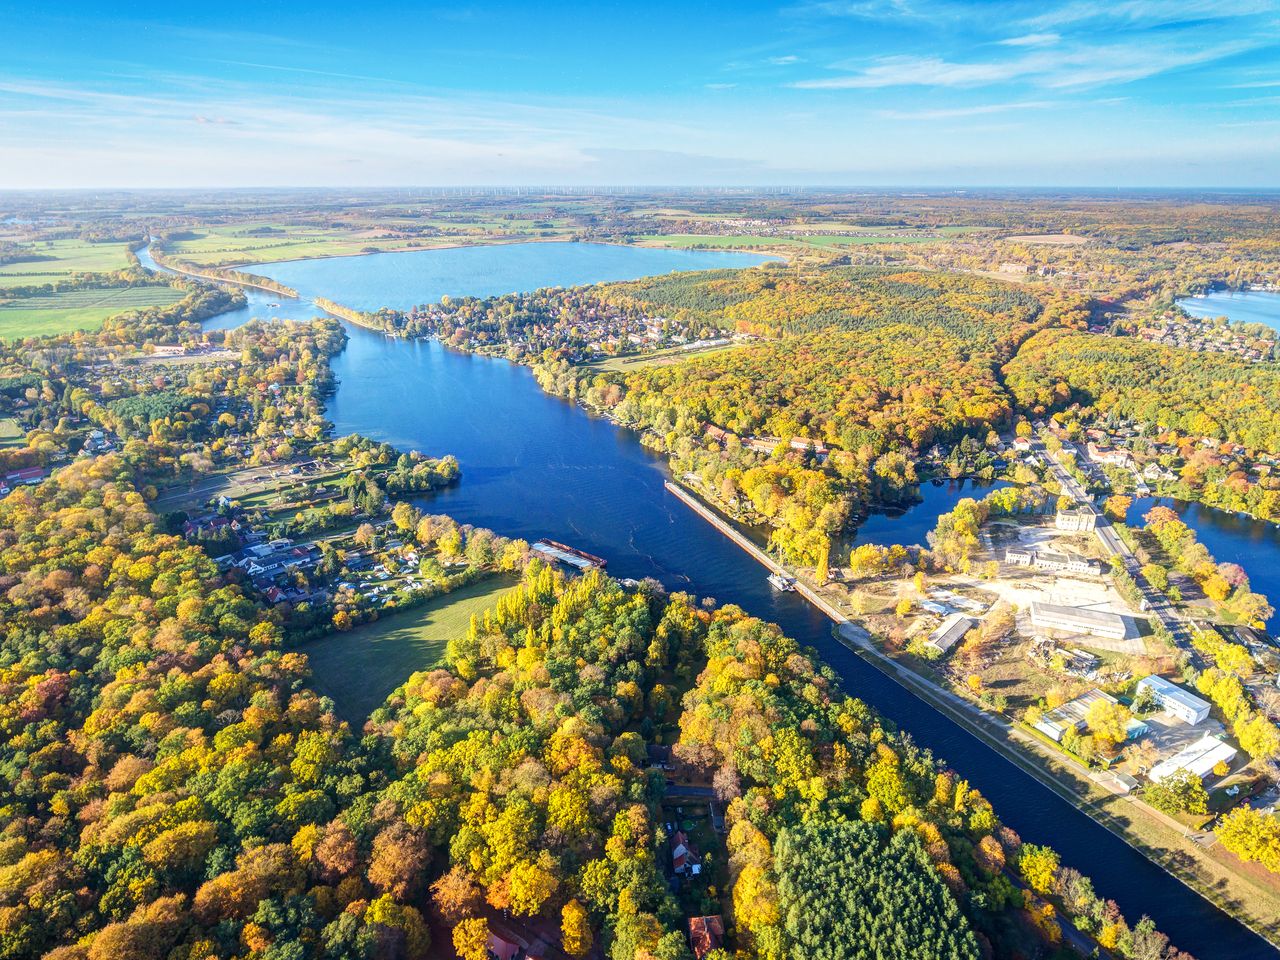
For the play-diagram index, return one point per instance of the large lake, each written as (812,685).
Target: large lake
(1240,306)
(535,466)
(424,276)
(417,277)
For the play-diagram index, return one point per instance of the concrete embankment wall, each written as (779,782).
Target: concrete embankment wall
(760,556)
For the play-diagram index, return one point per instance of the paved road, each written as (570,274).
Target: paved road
(1158,604)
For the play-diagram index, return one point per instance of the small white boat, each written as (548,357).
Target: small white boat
(779,582)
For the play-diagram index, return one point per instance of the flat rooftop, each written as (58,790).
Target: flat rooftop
(1172,691)
(1056,611)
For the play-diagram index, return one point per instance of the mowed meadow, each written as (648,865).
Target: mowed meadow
(359,669)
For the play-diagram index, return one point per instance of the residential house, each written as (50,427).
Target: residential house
(705,934)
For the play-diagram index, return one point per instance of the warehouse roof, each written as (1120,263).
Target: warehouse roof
(1080,614)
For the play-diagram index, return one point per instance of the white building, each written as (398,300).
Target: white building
(951,632)
(1078,519)
(1199,758)
(1175,701)
(1049,560)
(1060,562)
(1101,623)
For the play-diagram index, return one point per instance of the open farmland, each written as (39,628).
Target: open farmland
(76,309)
(685,241)
(246,244)
(658,358)
(51,260)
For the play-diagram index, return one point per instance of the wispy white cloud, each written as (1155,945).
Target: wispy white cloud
(947,113)
(1250,124)
(1078,66)
(861,9)
(1031,40)
(905,70)
(247,135)
(1148,12)
(308,71)
(785,60)
(224,37)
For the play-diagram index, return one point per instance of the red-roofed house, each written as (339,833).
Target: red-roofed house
(705,934)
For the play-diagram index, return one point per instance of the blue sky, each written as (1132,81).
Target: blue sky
(835,92)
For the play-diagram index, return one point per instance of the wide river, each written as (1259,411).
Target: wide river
(534,466)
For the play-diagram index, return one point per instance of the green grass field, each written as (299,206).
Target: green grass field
(361,668)
(76,309)
(66,257)
(683,241)
(220,246)
(233,245)
(11,434)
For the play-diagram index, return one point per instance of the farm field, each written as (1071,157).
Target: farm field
(76,309)
(359,669)
(684,241)
(225,246)
(838,241)
(236,245)
(65,257)
(825,241)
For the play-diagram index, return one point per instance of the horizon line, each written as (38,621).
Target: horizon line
(655,187)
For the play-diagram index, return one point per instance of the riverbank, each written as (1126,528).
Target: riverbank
(220,274)
(1225,883)
(537,467)
(1157,837)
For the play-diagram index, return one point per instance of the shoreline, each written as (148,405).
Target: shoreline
(1068,785)
(999,734)
(778,254)
(213,277)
